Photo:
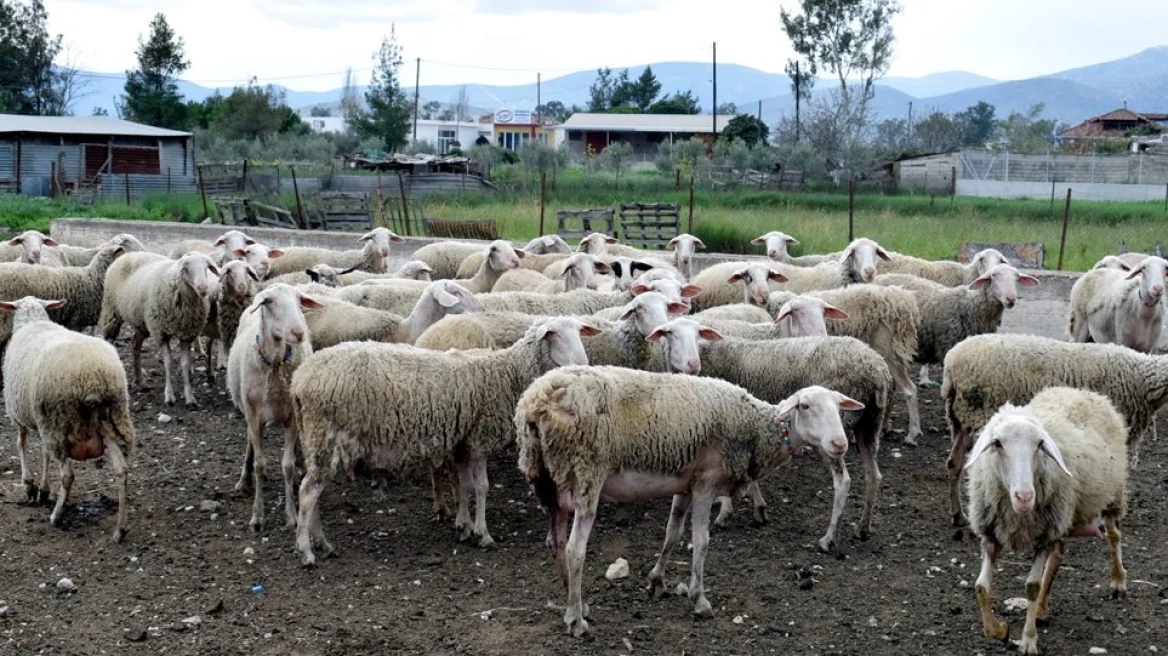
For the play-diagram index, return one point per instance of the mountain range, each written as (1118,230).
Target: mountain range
(1139,81)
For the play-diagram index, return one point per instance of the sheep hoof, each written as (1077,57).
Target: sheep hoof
(760,516)
(486,542)
(31,491)
(703,609)
(307,561)
(256,525)
(863,533)
(191,405)
(119,535)
(577,627)
(655,589)
(959,520)
(997,630)
(1118,591)
(827,545)
(42,495)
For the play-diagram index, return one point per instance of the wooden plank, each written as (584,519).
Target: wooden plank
(581,223)
(649,224)
(455,229)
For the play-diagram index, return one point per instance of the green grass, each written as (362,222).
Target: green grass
(20,213)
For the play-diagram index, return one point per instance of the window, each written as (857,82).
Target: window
(512,140)
(445,138)
(318,124)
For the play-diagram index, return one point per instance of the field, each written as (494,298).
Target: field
(727,220)
(183,580)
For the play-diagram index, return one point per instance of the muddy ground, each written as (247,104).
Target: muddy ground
(182,583)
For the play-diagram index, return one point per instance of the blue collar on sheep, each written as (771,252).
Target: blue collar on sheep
(287,355)
(785,434)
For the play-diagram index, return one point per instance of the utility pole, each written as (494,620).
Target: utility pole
(715,112)
(538,106)
(417,81)
(910,123)
(760,111)
(798,98)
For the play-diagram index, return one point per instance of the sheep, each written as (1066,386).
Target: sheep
(222,250)
(260,258)
(735,312)
(773,369)
(626,271)
(321,274)
(163,299)
(578,301)
(683,247)
(578,272)
(397,296)
(80,257)
(473,262)
(389,404)
(1120,307)
(950,314)
(800,316)
(946,272)
(445,257)
(232,296)
(593,433)
(599,243)
(411,270)
(1131,259)
(275,340)
(334,320)
(29,247)
(498,257)
(374,257)
(80,286)
(1039,474)
(985,371)
(71,389)
(1113,262)
(547,244)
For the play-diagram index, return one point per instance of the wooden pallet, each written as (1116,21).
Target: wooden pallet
(649,225)
(335,210)
(574,224)
(485,229)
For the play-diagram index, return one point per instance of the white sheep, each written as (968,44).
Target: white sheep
(473,262)
(162,299)
(390,405)
(1131,258)
(222,250)
(1112,306)
(575,302)
(579,272)
(592,433)
(259,257)
(374,257)
(274,341)
(321,274)
(411,270)
(32,247)
(800,316)
(71,389)
(745,312)
(445,257)
(547,244)
(498,257)
(683,247)
(984,372)
(946,272)
(398,296)
(1039,474)
(950,314)
(232,296)
(776,244)
(1113,262)
(333,320)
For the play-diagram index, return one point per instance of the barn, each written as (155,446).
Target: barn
(88,155)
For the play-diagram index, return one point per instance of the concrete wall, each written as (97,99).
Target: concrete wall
(1080,190)
(1040,310)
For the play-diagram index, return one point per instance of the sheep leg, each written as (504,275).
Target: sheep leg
(288,465)
(209,359)
(575,551)
(759,503)
(902,381)
(43,492)
(924,379)
(481,486)
(841,482)
(309,532)
(1118,573)
(184,351)
(956,466)
(168,388)
(725,508)
(30,486)
(1053,559)
(66,469)
(248,463)
(255,436)
(437,479)
(136,355)
(1028,644)
(466,489)
(677,513)
(700,524)
(991,626)
(559,545)
(118,461)
(868,448)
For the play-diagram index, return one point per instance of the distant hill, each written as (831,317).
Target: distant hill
(1070,96)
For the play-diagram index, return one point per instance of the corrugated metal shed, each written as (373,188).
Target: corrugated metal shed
(686,123)
(6,159)
(102,125)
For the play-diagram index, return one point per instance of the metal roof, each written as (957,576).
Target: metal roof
(696,123)
(104,125)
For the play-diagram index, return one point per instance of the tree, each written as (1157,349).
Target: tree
(802,76)
(852,40)
(937,133)
(600,93)
(69,85)
(892,138)
(388,116)
(28,83)
(1028,132)
(555,109)
(622,92)
(460,105)
(99,111)
(977,123)
(430,110)
(644,91)
(320,111)
(677,103)
(255,112)
(152,95)
(616,158)
(727,109)
(747,129)
(350,104)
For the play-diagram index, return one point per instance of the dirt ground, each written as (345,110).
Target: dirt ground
(182,582)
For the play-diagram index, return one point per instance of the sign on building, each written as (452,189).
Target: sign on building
(513,117)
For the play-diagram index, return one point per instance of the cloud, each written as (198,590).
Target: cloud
(518,7)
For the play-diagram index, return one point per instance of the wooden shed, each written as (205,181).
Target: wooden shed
(930,173)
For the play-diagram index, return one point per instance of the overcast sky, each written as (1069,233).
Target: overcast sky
(307,44)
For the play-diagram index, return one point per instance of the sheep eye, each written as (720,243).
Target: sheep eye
(804,406)
(997,444)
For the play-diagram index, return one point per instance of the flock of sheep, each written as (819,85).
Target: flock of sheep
(621,375)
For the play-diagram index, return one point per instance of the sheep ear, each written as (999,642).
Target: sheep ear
(775,276)
(1048,446)
(672,245)
(616,268)
(639,288)
(848,403)
(220,241)
(1134,272)
(677,307)
(8,305)
(736,277)
(314,274)
(251,272)
(588,330)
(657,334)
(349,270)
(445,298)
(396,238)
(640,266)
(521,253)
(275,252)
(601,267)
(1027,281)
(54,304)
(212,268)
(49,241)
(239,252)
(883,254)
(628,314)
(255,304)
(758,241)
(709,334)
(792,241)
(610,240)
(787,405)
(689,291)
(699,243)
(248,240)
(979,447)
(311,303)
(16,241)
(982,281)
(784,312)
(365,237)
(832,312)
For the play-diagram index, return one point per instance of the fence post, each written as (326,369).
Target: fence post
(952,185)
(1066,220)
(243,181)
(1166,196)
(677,179)
(542,198)
(852,207)
(401,185)
(689,225)
(127,179)
(202,191)
(168,179)
(1052,195)
(53,179)
(299,205)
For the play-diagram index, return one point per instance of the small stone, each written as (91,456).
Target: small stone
(1153,649)
(619,569)
(738,619)
(164,418)
(963,583)
(249,552)
(210,506)
(66,585)
(1016,604)
(216,609)
(873,622)
(1096,650)
(193,620)
(136,635)
(4,611)
(214,516)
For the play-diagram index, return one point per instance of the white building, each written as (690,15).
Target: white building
(443,134)
(325,123)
